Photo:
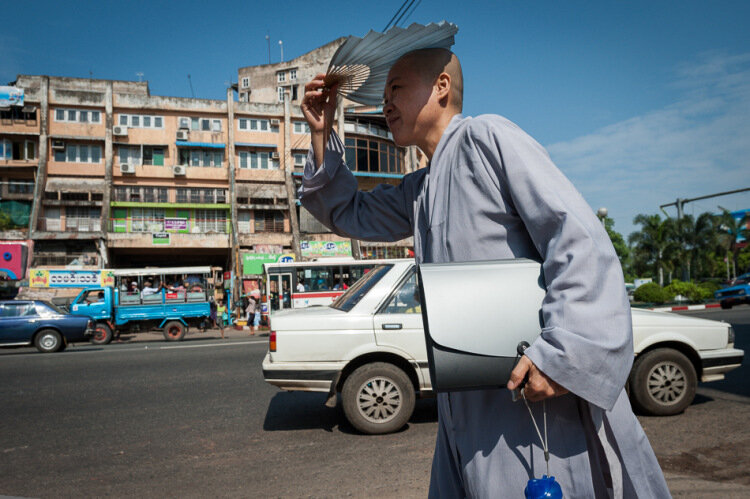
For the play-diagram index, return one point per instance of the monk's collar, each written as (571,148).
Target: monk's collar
(447,133)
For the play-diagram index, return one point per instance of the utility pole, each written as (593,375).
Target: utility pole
(268,39)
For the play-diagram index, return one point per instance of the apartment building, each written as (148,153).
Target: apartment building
(101,173)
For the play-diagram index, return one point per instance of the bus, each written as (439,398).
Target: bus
(323,281)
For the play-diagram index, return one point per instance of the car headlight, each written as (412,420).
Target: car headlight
(730,338)
(741,292)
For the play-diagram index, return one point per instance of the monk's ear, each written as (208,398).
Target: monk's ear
(443,86)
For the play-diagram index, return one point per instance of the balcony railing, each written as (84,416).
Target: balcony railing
(72,224)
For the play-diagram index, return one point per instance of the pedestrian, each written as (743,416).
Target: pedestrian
(301,286)
(221,315)
(212,310)
(252,313)
(491,192)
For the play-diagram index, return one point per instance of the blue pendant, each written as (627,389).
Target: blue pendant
(543,488)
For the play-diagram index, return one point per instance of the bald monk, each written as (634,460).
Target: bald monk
(491,192)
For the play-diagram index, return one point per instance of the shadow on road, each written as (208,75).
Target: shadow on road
(290,411)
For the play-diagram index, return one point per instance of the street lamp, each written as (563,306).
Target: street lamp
(281,46)
(268,40)
(602,214)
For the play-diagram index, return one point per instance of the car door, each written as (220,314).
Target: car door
(92,304)
(18,321)
(398,326)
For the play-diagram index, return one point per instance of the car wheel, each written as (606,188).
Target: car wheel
(174,331)
(48,341)
(725,305)
(102,334)
(378,398)
(663,382)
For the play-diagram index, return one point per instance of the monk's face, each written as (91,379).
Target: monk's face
(405,104)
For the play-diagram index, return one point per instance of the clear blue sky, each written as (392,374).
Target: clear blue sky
(638,102)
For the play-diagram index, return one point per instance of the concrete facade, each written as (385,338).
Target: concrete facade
(91,169)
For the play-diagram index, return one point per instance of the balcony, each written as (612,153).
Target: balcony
(68,228)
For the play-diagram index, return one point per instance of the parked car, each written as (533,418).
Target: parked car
(42,324)
(369,346)
(737,293)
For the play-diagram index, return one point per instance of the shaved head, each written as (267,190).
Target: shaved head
(431,63)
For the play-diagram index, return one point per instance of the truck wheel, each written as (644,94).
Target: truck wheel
(48,341)
(378,398)
(725,305)
(102,334)
(663,382)
(174,331)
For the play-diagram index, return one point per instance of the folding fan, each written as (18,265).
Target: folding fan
(361,65)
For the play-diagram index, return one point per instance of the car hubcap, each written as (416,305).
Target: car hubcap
(667,383)
(49,341)
(379,400)
(174,331)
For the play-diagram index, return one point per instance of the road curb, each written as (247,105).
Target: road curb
(685,307)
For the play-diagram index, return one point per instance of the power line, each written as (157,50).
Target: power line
(406,16)
(395,15)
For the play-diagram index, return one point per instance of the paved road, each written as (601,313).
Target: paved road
(195,419)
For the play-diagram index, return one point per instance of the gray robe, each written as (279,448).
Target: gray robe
(492,192)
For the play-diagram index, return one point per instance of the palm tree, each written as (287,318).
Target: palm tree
(696,238)
(655,243)
(732,229)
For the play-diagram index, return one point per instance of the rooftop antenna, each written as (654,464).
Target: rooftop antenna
(139,74)
(268,39)
(191,86)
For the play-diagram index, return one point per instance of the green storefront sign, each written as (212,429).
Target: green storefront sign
(252,263)
(323,249)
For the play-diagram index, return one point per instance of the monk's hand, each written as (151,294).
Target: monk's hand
(318,107)
(539,386)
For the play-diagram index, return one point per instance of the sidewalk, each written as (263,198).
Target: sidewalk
(230,332)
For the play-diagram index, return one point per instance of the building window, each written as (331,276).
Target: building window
(211,220)
(292,74)
(147,219)
(82,219)
(301,127)
(17,113)
(257,160)
(153,156)
(299,159)
(254,125)
(129,155)
(78,116)
(21,187)
(281,94)
(365,155)
(17,150)
(245,82)
(182,195)
(141,121)
(201,157)
(121,193)
(269,221)
(281,76)
(79,153)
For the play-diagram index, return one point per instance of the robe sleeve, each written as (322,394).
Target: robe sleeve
(586,344)
(331,195)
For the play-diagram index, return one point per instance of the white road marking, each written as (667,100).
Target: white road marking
(215,344)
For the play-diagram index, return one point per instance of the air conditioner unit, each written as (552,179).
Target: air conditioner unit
(178,170)
(120,130)
(274,155)
(58,145)
(127,168)
(274,122)
(182,134)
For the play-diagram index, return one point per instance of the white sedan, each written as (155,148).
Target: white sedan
(369,346)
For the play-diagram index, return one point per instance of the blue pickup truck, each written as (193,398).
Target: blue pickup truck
(737,293)
(172,300)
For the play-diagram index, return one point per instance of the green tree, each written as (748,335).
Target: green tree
(730,229)
(695,239)
(654,245)
(621,247)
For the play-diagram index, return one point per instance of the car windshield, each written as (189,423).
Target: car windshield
(353,295)
(47,308)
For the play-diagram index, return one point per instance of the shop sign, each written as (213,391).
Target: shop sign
(252,263)
(175,224)
(160,238)
(325,249)
(11,96)
(43,278)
